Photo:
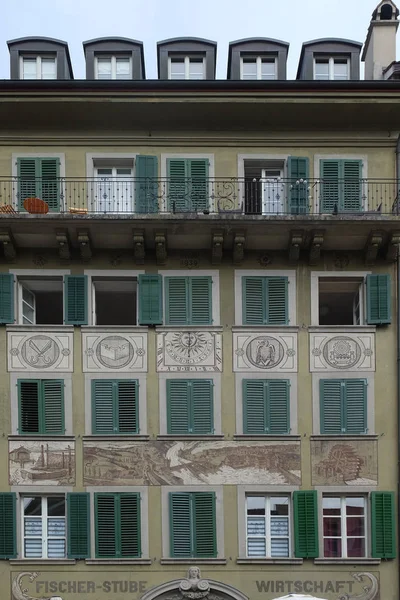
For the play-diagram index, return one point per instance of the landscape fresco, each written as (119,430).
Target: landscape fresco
(336,462)
(41,463)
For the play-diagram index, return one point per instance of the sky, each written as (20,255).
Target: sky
(75,21)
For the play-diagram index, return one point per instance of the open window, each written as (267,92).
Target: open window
(114,300)
(264,186)
(40,300)
(341,300)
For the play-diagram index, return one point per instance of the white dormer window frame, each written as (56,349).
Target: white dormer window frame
(259,61)
(113,58)
(186,60)
(332,61)
(39,59)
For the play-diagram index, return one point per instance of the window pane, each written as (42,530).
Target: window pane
(177,68)
(255,526)
(103,172)
(33,548)
(196,68)
(332,548)
(56,506)
(256,547)
(331,506)
(355,526)
(279,526)
(355,547)
(123,68)
(341,69)
(56,548)
(255,505)
(33,506)
(322,68)
(279,506)
(332,526)
(104,68)
(249,68)
(280,547)
(48,68)
(29,68)
(56,527)
(33,527)
(122,172)
(355,506)
(268,70)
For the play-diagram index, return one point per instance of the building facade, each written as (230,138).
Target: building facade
(199,321)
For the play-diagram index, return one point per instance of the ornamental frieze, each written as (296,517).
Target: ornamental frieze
(263,352)
(39,351)
(109,351)
(189,351)
(342,352)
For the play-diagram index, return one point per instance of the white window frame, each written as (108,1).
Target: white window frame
(290,274)
(186,60)
(331,67)
(113,59)
(38,59)
(343,536)
(267,519)
(44,516)
(92,159)
(283,158)
(258,60)
(211,176)
(215,304)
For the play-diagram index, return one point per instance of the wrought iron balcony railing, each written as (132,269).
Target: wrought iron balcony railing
(247,196)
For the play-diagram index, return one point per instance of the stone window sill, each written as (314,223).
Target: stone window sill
(269,561)
(193,561)
(344,436)
(118,561)
(274,328)
(41,438)
(133,437)
(254,438)
(189,437)
(42,561)
(347,561)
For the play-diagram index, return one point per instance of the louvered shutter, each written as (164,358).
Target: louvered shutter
(330,186)
(254,406)
(146,184)
(205,543)
(129,525)
(28,182)
(78,525)
(106,525)
(103,407)
(378,299)
(181,533)
(178,414)
(178,185)
(200,300)
(49,182)
(8,525)
(298,172)
(331,406)
(6,298)
(277,300)
(29,406)
(150,299)
(355,406)
(202,406)
(305,507)
(53,406)
(352,185)
(75,299)
(253,301)
(127,405)
(278,406)
(383,525)
(177,301)
(198,174)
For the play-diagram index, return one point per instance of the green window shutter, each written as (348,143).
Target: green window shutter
(355,406)
(298,168)
(146,184)
(178,412)
(107,534)
(127,405)
(75,299)
(6,298)
(150,300)
(103,407)
(180,528)
(49,182)
(253,301)
(177,301)
(200,299)
(29,403)
(8,525)
(305,508)
(78,525)
(330,185)
(28,179)
(178,185)
(129,524)
(52,416)
(205,542)
(277,300)
(198,174)
(254,406)
(352,185)
(379,299)
(331,406)
(202,406)
(383,525)
(278,406)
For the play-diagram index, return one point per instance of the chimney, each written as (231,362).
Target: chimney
(380,46)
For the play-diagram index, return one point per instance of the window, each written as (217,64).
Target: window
(113,67)
(343,406)
(188,300)
(117,525)
(266,405)
(114,189)
(186,67)
(344,526)
(40,178)
(114,300)
(192,525)
(44,531)
(41,406)
(341,186)
(265,300)
(337,68)
(40,300)
(115,405)
(190,406)
(38,67)
(268,526)
(258,67)
(187,184)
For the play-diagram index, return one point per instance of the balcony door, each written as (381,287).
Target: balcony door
(272,192)
(114,190)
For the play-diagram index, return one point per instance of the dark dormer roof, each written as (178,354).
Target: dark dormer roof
(339,41)
(261,41)
(23,41)
(122,41)
(180,43)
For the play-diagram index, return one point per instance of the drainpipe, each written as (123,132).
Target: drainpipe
(398,346)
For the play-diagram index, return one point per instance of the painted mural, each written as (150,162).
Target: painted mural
(191,463)
(336,462)
(189,351)
(41,463)
(350,352)
(105,350)
(49,350)
(257,351)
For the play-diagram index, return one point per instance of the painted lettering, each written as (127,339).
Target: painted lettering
(53,586)
(133,587)
(318,587)
(262,586)
(289,586)
(329,587)
(106,586)
(306,587)
(279,587)
(71,587)
(339,586)
(298,587)
(91,587)
(142,586)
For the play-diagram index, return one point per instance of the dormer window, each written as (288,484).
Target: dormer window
(186,67)
(258,67)
(38,67)
(331,68)
(113,67)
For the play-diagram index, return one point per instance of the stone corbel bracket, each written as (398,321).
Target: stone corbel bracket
(393,246)
(85,246)
(64,247)
(374,242)
(160,240)
(139,250)
(317,239)
(9,247)
(296,241)
(217,247)
(239,241)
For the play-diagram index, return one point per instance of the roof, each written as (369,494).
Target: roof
(114,38)
(325,40)
(185,39)
(260,40)
(33,38)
